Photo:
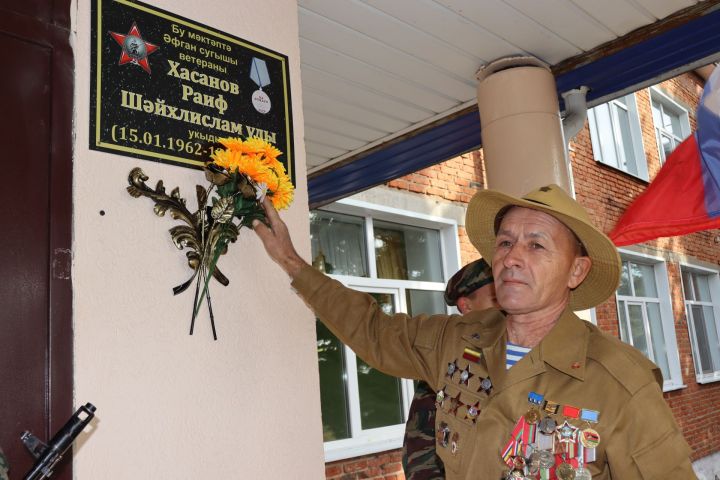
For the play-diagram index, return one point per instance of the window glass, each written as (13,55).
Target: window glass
(338,243)
(657,115)
(702,288)
(643,277)
(712,337)
(657,335)
(607,135)
(626,143)
(637,328)
(688,287)
(333,391)
(380,394)
(667,145)
(624,332)
(425,301)
(624,288)
(701,338)
(671,124)
(407,253)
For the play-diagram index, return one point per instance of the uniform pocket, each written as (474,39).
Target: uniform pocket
(455,429)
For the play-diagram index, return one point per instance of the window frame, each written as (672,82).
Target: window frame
(635,136)
(659,265)
(714,285)
(668,102)
(369,441)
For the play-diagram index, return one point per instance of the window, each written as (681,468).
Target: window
(701,289)
(645,315)
(671,123)
(402,261)
(616,136)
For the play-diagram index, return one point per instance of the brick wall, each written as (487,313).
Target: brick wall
(605,192)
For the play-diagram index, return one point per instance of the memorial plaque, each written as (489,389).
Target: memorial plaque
(166,88)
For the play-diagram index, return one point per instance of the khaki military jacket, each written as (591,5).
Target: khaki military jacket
(575,364)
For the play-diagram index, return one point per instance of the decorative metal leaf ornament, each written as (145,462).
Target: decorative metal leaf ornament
(203,239)
(223,210)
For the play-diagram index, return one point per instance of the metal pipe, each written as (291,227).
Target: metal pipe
(523,143)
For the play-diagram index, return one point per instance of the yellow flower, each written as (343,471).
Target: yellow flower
(234,144)
(257,159)
(281,192)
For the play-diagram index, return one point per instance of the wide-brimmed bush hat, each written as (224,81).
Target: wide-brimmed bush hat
(482,222)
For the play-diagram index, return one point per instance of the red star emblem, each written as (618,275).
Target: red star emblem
(134,48)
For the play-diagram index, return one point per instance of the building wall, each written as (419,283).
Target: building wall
(172,405)
(605,192)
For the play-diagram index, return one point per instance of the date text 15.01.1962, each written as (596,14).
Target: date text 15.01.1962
(132,136)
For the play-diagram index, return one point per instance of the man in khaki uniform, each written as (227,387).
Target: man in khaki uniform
(545,394)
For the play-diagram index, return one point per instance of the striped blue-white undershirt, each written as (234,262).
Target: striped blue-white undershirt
(514,353)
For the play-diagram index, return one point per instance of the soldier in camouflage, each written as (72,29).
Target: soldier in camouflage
(471,288)
(4,466)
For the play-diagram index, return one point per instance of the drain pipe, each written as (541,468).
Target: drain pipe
(573,122)
(575,112)
(522,136)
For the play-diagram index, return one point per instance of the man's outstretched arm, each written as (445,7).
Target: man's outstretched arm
(397,345)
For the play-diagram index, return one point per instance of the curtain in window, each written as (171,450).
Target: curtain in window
(342,244)
(390,254)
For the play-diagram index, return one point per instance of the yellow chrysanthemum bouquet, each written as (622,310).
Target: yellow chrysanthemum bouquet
(241,175)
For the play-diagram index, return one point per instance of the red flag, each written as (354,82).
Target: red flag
(685,195)
(673,204)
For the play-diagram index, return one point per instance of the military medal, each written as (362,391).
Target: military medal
(465,375)
(548,425)
(455,443)
(451,369)
(472,412)
(589,438)
(442,435)
(582,473)
(455,403)
(546,459)
(440,397)
(566,433)
(519,463)
(532,416)
(565,471)
(259,74)
(485,385)
(533,463)
(551,407)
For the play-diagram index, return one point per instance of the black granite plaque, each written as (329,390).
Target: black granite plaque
(165,88)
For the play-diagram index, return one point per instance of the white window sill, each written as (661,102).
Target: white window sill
(369,442)
(622,171)
(703,379)
(673,386)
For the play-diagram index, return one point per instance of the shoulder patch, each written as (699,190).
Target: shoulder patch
(625,363)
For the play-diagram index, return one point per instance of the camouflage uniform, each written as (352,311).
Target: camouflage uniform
(4,466)
(420,460)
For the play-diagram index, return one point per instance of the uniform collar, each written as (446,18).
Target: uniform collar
(488,330)
(565,346)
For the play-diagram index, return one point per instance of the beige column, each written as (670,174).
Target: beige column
(521,128)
